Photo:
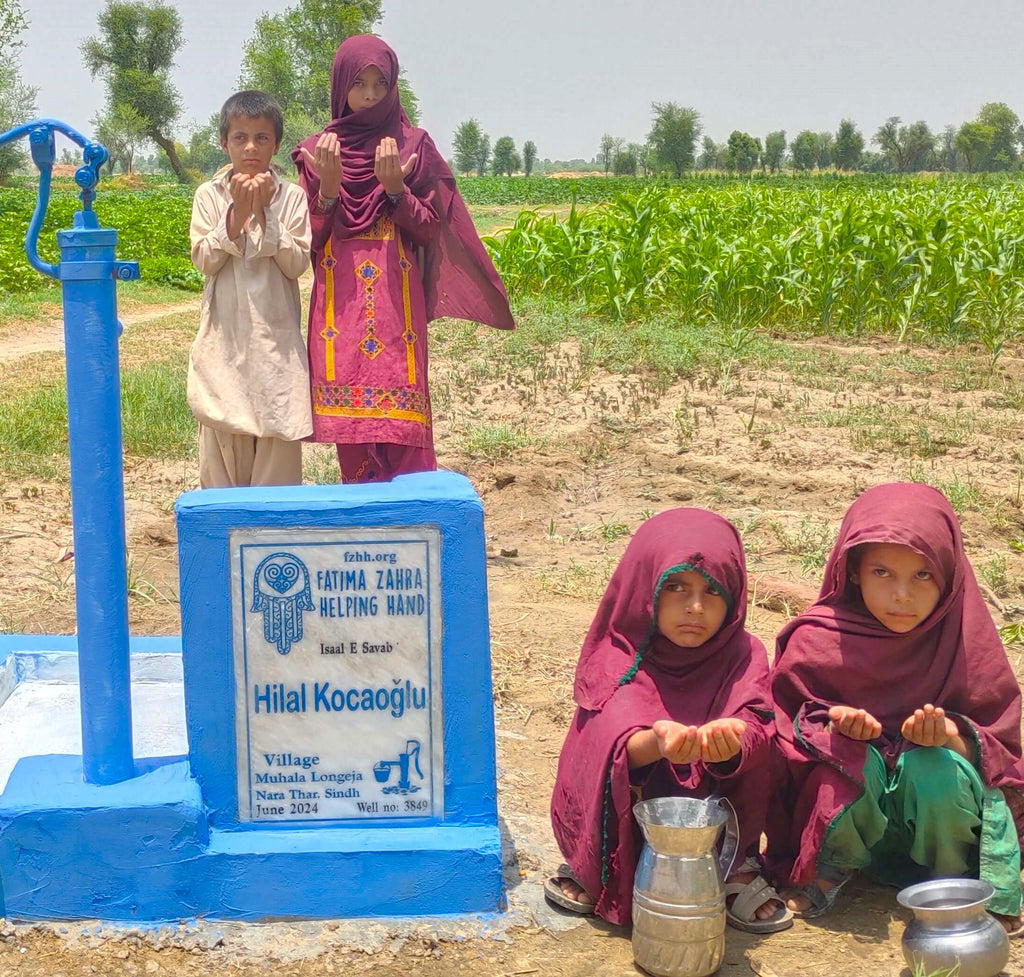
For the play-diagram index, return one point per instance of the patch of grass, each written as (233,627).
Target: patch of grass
(994,572)
(585,581)
(811,541)
(320,464)
(1013,633)
(909,432)
(495,442)
(155,419)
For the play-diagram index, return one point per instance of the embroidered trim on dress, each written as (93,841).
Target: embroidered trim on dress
(396,403)
(383,230)
(407,334)
(368,273)
(329,331)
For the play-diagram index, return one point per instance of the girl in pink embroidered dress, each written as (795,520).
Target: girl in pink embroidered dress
(393,248)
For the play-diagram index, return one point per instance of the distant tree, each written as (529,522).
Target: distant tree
(134,54)
(848,146)
(1006,133)
(645,157)
(503,161)
(709,152)
(124,132)
(742,152)
(804,150)
(946,152)
(625,163)
(973,141)
(17,100)
(204,153)
(825,146)
(483,154)
(466,145)
(774,150)
(674,135)
(907,148)
(607,153)
(529,157)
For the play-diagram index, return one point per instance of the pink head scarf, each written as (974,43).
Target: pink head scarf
(837,653)
(458,277)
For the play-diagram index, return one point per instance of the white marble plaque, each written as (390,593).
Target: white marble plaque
(337,642)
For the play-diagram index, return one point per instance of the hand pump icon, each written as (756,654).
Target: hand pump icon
(382,770)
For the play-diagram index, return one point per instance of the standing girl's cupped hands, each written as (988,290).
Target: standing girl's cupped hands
(325,161)
(389,169)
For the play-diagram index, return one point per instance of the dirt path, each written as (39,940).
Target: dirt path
(47,335)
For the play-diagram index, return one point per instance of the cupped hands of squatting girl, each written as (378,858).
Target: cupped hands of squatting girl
(325,161)
(714,742)
(930,726)
(853,723)
(388,167)
(249,196)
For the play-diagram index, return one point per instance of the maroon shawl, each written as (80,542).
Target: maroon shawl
(629,676)
(837,653)
(458,277)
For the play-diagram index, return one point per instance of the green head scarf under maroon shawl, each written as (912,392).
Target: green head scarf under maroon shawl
(629,676)
(837,653)
(459,279)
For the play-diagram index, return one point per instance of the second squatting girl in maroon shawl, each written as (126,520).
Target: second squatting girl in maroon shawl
(836,653)
(629,677)
(384,266)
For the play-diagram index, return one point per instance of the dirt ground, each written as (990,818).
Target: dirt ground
(568,460)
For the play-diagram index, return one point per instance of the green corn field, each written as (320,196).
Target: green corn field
(942,258)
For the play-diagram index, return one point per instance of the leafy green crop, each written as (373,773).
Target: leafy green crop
(942,257)
(152,228)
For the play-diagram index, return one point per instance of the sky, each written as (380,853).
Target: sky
(563,72)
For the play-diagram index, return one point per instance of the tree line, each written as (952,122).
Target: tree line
(471,150)
(991,142)
(133,53)
(290,56)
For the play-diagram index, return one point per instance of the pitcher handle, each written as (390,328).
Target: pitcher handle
(730,839)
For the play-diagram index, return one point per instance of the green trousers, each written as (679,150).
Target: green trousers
(931,817)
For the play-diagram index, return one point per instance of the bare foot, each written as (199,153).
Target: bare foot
(573,890)
(798,902)
(765,910)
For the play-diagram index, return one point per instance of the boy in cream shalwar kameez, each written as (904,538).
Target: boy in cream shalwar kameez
(248,374)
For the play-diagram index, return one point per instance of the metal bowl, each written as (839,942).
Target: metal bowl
(951,929)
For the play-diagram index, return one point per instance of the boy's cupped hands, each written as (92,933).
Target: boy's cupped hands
(249,196)
(714,742)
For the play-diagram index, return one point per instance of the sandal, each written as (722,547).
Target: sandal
(750,896)
(821,903)
(553,892)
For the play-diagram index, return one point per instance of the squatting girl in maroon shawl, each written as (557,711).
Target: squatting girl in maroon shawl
(672,699)
(898,656)
(393,248)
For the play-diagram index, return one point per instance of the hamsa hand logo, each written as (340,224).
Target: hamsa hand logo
(281,591)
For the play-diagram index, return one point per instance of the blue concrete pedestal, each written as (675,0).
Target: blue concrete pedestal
(175,840)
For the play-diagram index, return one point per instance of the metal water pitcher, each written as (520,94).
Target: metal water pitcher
(678,898)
